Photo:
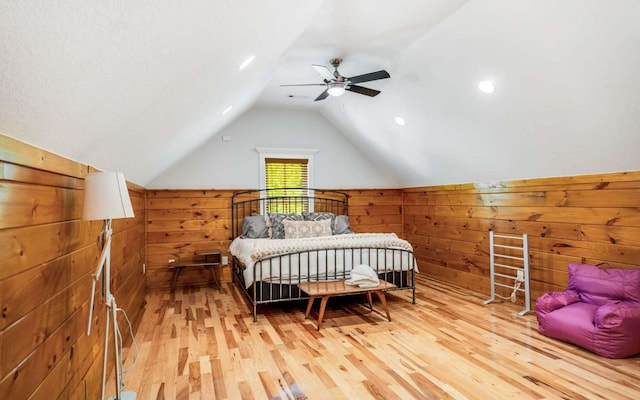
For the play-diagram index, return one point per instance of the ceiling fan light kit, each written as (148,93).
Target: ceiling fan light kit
(336,88)
(336,84)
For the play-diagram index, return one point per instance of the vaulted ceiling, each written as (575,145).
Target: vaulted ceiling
(136,86)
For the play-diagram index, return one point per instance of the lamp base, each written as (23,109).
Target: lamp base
(125,396)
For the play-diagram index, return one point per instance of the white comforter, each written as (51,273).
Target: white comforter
(336,264)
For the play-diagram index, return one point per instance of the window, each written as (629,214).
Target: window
(286,173)
(287,177)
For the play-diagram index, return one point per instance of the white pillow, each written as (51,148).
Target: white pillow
(306,229)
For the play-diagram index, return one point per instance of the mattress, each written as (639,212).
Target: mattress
(290,261)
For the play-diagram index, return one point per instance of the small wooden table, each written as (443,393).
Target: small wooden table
(326,289)
(209,259)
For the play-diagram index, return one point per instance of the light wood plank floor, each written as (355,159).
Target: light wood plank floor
(202,343)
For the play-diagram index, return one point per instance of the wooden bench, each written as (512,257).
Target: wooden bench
(209,259)
(326,289)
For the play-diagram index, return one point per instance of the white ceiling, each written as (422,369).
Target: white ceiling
(365,34)
(136,86)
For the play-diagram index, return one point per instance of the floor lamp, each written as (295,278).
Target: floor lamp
(105,198)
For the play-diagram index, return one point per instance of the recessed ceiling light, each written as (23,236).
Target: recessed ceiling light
(399,121)
(227,110)
(486,87)
(246,62)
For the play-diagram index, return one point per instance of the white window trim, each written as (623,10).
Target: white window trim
(301,154)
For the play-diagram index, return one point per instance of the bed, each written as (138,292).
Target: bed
(283,237)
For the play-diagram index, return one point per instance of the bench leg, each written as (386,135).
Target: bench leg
(323,304)
(369,300)
(176,272)
(309,304)
(214,275)
(383,300)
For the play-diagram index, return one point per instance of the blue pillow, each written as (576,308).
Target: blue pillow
(341,225)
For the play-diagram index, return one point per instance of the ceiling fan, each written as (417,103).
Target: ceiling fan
(336,84)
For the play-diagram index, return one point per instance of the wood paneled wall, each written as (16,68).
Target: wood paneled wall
(180,222)
(375,210)
(47,254)
(47,258)
(589,219)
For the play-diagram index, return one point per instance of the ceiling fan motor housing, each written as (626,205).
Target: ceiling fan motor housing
(336,63)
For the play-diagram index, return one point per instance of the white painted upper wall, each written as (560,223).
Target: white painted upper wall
(338,164)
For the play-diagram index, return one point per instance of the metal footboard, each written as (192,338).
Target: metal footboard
(276,278)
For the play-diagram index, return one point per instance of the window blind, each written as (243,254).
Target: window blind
(286,177)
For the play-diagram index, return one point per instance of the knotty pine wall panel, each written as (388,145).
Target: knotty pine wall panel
(179,222)
(375,210)
(589,219)
(47,258)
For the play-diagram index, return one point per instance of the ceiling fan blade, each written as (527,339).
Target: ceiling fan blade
(372,76)
(324,72)
(363,90)
(323,95)
(306,84)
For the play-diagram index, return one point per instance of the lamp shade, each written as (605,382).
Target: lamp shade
(106,197)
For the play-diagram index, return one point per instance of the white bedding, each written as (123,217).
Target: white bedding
(330,257)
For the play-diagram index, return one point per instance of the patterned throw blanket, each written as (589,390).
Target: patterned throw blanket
(268,247)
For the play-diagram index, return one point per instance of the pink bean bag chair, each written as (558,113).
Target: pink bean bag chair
(599,311)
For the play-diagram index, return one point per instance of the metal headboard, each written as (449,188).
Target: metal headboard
(288,200)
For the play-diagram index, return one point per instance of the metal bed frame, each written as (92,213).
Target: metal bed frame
(296,200)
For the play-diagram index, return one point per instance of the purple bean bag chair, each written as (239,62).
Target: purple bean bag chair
(599,311)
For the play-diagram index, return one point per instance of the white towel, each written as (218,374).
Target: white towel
(363,276)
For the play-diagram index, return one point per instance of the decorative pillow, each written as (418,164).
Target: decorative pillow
(254,227)
(274,223)
(319,216)
(341,225)
(306,229)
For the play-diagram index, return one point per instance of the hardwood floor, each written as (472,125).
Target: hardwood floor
(202,343)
